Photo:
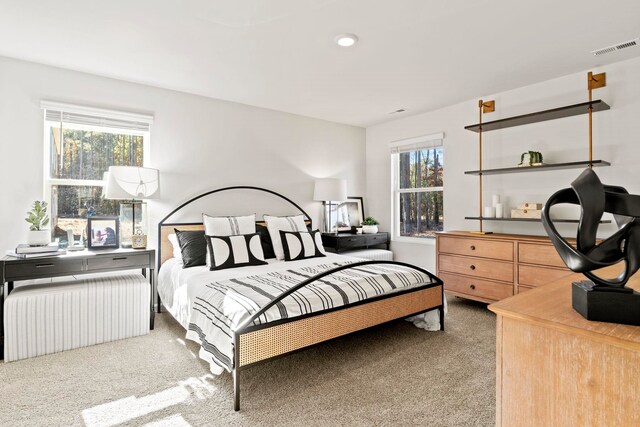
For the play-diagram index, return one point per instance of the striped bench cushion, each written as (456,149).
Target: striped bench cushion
(48,318)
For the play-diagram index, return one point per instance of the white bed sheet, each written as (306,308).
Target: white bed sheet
(177,285)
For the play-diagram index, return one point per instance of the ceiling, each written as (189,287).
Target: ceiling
(279,54)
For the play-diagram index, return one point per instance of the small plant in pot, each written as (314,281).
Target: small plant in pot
(38,219)
(370,225)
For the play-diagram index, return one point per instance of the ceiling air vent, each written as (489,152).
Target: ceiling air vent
(400,110)
(615,47)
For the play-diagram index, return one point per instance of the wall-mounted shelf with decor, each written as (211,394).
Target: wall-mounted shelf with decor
(551,166)
(541,116)
(572,221)
(594,81)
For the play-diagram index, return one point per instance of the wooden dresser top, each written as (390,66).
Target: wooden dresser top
(550,305)
(498,236)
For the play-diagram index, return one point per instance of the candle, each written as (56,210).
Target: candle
(489,212)
(495,199)
(499,210)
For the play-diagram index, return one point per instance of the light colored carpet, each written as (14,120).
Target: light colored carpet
(394,374)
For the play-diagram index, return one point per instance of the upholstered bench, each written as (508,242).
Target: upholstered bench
(92,309)
(371,254)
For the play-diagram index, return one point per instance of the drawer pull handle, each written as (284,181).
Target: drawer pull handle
(472,286)
(473,267)
(44,265)
(119,258)
(473,248)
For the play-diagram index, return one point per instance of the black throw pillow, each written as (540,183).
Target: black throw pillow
(193,247)
(265,240)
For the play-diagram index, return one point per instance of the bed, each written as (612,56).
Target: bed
(247,315)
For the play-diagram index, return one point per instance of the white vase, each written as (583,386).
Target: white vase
(38,237)
(369,229)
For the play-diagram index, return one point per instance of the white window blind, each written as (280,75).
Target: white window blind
(87,116)
(425,142)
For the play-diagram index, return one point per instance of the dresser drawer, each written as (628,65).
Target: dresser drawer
(522,289)
(26,270)
(375,239)
(483,248)
(477,267)
(531,253)
(115,261)
(476,287)
(537,276)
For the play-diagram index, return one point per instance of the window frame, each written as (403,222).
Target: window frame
(396,191)
(48,181)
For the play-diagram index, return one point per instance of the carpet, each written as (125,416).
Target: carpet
(393,374)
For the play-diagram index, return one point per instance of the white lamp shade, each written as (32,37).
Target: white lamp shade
(330,189)
(132,182)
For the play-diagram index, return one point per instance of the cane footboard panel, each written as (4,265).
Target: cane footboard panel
(284,338)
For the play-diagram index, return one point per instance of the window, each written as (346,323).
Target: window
(417,186)
(80,145)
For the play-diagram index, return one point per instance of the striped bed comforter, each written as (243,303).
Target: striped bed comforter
(219,307)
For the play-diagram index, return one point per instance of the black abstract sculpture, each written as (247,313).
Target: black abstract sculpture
(602,299)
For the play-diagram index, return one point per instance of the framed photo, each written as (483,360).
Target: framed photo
(344,215)
(103,232)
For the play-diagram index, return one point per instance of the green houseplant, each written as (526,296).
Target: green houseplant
(370,225)
(38,219)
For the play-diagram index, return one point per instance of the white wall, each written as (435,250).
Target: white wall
(616,139)
(197,143)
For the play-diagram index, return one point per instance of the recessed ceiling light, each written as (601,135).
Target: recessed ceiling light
(400,110)
(346,40)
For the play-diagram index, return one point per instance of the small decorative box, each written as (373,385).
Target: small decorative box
(530,206)
(526,213)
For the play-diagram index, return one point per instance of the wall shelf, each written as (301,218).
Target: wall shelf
(541,116)
(517,169)
(572,221)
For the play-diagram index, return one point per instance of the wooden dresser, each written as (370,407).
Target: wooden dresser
(491,267)
(555,368)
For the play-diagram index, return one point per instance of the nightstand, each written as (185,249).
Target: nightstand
(78,263)
(346,241)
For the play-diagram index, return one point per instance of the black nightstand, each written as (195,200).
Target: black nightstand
(346,241)
(75,263)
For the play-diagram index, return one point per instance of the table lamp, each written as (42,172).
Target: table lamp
(329,190)
(133,184)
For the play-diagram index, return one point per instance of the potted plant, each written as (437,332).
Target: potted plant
(38,219)
(369,225)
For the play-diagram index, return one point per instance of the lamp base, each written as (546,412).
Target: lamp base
(606,303)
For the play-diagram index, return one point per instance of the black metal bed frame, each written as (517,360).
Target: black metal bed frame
(248,325)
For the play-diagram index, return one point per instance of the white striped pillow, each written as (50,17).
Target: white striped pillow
(284,223)
(229,225)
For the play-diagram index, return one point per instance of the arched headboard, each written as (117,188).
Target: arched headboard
(165,227)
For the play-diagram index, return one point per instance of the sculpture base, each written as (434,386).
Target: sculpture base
(606,304)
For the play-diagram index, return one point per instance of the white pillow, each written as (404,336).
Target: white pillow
(177,252)
(284,223)
(229,225)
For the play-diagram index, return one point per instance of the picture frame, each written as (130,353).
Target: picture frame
(103,232)
(344,215)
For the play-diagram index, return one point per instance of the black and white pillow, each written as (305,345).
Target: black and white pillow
(301,244)
(235,251)
(275,224)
